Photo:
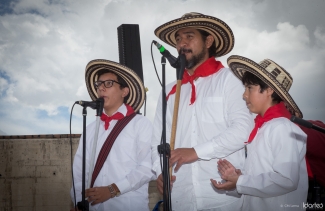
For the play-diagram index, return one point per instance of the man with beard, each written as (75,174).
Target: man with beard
(213,120)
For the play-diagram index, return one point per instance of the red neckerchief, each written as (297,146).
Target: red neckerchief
(116,116)
(276,111)
(207,68)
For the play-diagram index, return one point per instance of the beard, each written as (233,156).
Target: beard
(192,62)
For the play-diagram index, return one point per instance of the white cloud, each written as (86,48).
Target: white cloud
(3,85)
(9,97)
(320,36)
(44,53)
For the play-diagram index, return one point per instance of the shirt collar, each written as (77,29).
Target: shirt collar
(122,109)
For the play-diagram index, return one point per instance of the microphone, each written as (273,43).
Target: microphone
(171,59)
(306,124)
(91,104)
(97,104)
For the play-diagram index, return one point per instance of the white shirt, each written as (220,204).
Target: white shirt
(275,169)
(128,164)
(216,125)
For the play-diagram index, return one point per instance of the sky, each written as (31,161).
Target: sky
(45,46)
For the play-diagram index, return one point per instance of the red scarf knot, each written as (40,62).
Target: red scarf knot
(116,116)
(276,111)
(209,67)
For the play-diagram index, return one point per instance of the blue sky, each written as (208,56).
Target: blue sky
(45,46)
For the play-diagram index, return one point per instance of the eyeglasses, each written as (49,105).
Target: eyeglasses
(107,83)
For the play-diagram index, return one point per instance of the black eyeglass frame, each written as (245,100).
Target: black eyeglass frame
(104,82)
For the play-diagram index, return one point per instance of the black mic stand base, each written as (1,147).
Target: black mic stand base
(83,207)
(164,149)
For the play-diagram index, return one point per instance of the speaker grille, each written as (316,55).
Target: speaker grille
(130,48)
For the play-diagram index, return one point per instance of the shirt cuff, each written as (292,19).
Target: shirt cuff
(123,185)
(233,193)
(239,182)
(204,151)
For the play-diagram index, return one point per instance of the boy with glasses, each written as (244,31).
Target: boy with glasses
(123,166)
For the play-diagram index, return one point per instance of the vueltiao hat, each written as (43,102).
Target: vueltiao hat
(275,76)
(137,91)
(223,36)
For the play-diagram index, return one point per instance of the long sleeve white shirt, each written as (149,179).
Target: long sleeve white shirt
(216,126)
(275,169)
(128,164)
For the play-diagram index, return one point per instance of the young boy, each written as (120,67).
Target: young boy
(122,166)
(275,176)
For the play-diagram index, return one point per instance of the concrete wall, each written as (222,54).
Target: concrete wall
(35,173)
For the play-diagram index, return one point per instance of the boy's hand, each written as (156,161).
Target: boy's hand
(229,173)
(226,169)
(97,195)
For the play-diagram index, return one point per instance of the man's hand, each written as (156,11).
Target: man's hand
(97,195)
(229,173)
(182,156)
(160,183)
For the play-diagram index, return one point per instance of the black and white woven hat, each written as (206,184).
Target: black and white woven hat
(270,73)
(223,36)
(137,91)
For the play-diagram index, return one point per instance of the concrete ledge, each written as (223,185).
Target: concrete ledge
(35,173)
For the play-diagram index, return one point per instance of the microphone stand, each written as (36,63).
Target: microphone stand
(316,192)
(84,204)
(306,124)
(164,148)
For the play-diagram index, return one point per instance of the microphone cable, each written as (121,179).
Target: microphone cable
(153,61)
(71,152)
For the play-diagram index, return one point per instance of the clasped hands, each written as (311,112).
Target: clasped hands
(228,173)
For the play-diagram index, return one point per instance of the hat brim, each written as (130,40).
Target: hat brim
(136,88)
(223,36)
(239,65)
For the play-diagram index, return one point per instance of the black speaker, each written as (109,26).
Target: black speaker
(129,47)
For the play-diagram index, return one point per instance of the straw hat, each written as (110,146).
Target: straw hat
(137,91)
(275,76)
(223,36)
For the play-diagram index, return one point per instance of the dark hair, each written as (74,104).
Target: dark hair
(251,79)
(213,48)
(123,84)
